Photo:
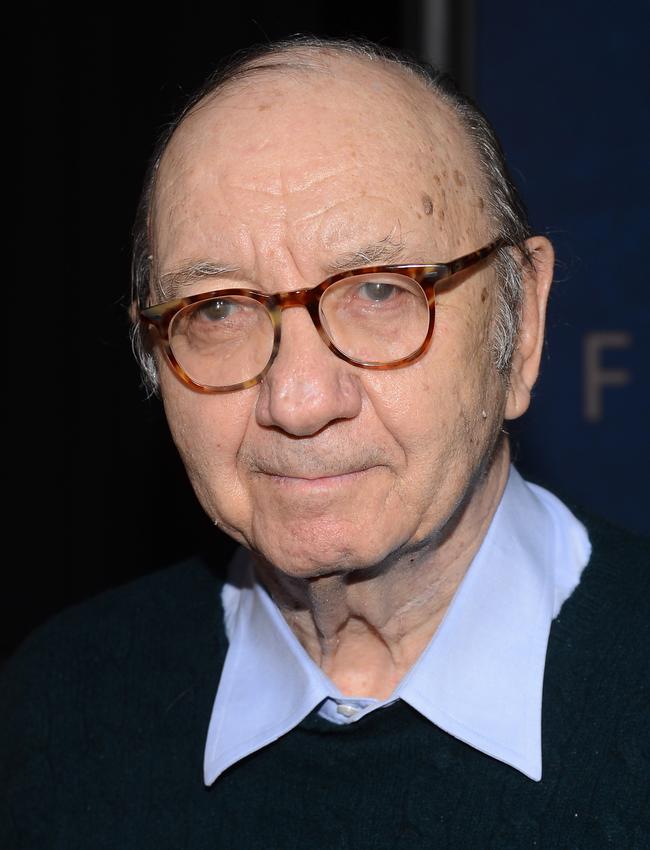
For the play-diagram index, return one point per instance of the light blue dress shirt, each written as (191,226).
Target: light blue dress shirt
(480,677)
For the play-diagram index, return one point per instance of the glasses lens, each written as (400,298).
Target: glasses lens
(222,341)
(376,318)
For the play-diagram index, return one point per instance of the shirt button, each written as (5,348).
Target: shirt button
(347,710)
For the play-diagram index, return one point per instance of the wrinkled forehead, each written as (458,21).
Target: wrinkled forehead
(344,113)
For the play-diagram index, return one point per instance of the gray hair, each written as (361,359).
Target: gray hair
(504,205)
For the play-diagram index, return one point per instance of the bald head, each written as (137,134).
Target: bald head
(309,144)
(345,106)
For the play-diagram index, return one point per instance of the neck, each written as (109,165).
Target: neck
(366,634)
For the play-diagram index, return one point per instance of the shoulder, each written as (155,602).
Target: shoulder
(95,653)
(611,603)
(615,543)
(598,663)
(619,565)
(596,682)
(152,604)
(113,688)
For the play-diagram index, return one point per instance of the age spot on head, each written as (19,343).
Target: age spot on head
(483,295)
(427,204)
(459,178)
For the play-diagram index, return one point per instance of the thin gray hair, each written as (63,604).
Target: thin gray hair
(504,204)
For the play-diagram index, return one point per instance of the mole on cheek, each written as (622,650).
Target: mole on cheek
(427,204)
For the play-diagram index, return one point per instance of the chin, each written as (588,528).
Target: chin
(314,553)
(325,561)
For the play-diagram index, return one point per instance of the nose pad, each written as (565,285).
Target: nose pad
(307,386)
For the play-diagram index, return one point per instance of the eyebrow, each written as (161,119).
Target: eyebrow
(170,284)
(387,250)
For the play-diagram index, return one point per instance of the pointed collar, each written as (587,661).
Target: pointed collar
(480,678)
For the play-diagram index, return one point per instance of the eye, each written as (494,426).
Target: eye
(216,309)
(376,290)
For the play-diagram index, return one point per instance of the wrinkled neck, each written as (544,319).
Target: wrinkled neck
(366,628)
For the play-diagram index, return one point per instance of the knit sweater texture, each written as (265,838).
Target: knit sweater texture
(104,714)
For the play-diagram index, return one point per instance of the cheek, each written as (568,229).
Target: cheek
(208,431)
(421,405)
(434,411)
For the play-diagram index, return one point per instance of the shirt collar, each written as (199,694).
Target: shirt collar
(480,678)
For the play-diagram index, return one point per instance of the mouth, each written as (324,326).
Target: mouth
(311,481)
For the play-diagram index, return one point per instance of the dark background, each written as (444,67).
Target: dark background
(96,492)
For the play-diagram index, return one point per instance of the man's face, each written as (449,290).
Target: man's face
(325,465)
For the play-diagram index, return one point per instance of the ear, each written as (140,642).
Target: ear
(536,284)
(134,312)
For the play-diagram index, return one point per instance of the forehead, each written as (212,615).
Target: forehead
(288,144)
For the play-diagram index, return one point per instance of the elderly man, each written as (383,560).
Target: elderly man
(339,299)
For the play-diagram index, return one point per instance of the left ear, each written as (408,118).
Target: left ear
(536,283)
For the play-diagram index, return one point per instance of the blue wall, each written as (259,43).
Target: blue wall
(567,86)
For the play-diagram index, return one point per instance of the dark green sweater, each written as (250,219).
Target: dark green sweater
(104,716)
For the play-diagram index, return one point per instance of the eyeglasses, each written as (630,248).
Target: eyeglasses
(376,317)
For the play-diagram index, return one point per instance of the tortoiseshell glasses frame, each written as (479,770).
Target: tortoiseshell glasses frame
(158,318)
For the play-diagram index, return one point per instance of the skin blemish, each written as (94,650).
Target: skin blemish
(481,204)
(427,204)
(441,214)
(459,178)
(483,295)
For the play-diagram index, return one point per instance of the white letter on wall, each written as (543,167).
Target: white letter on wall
(595,376)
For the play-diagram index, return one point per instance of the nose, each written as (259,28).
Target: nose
(308,386)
